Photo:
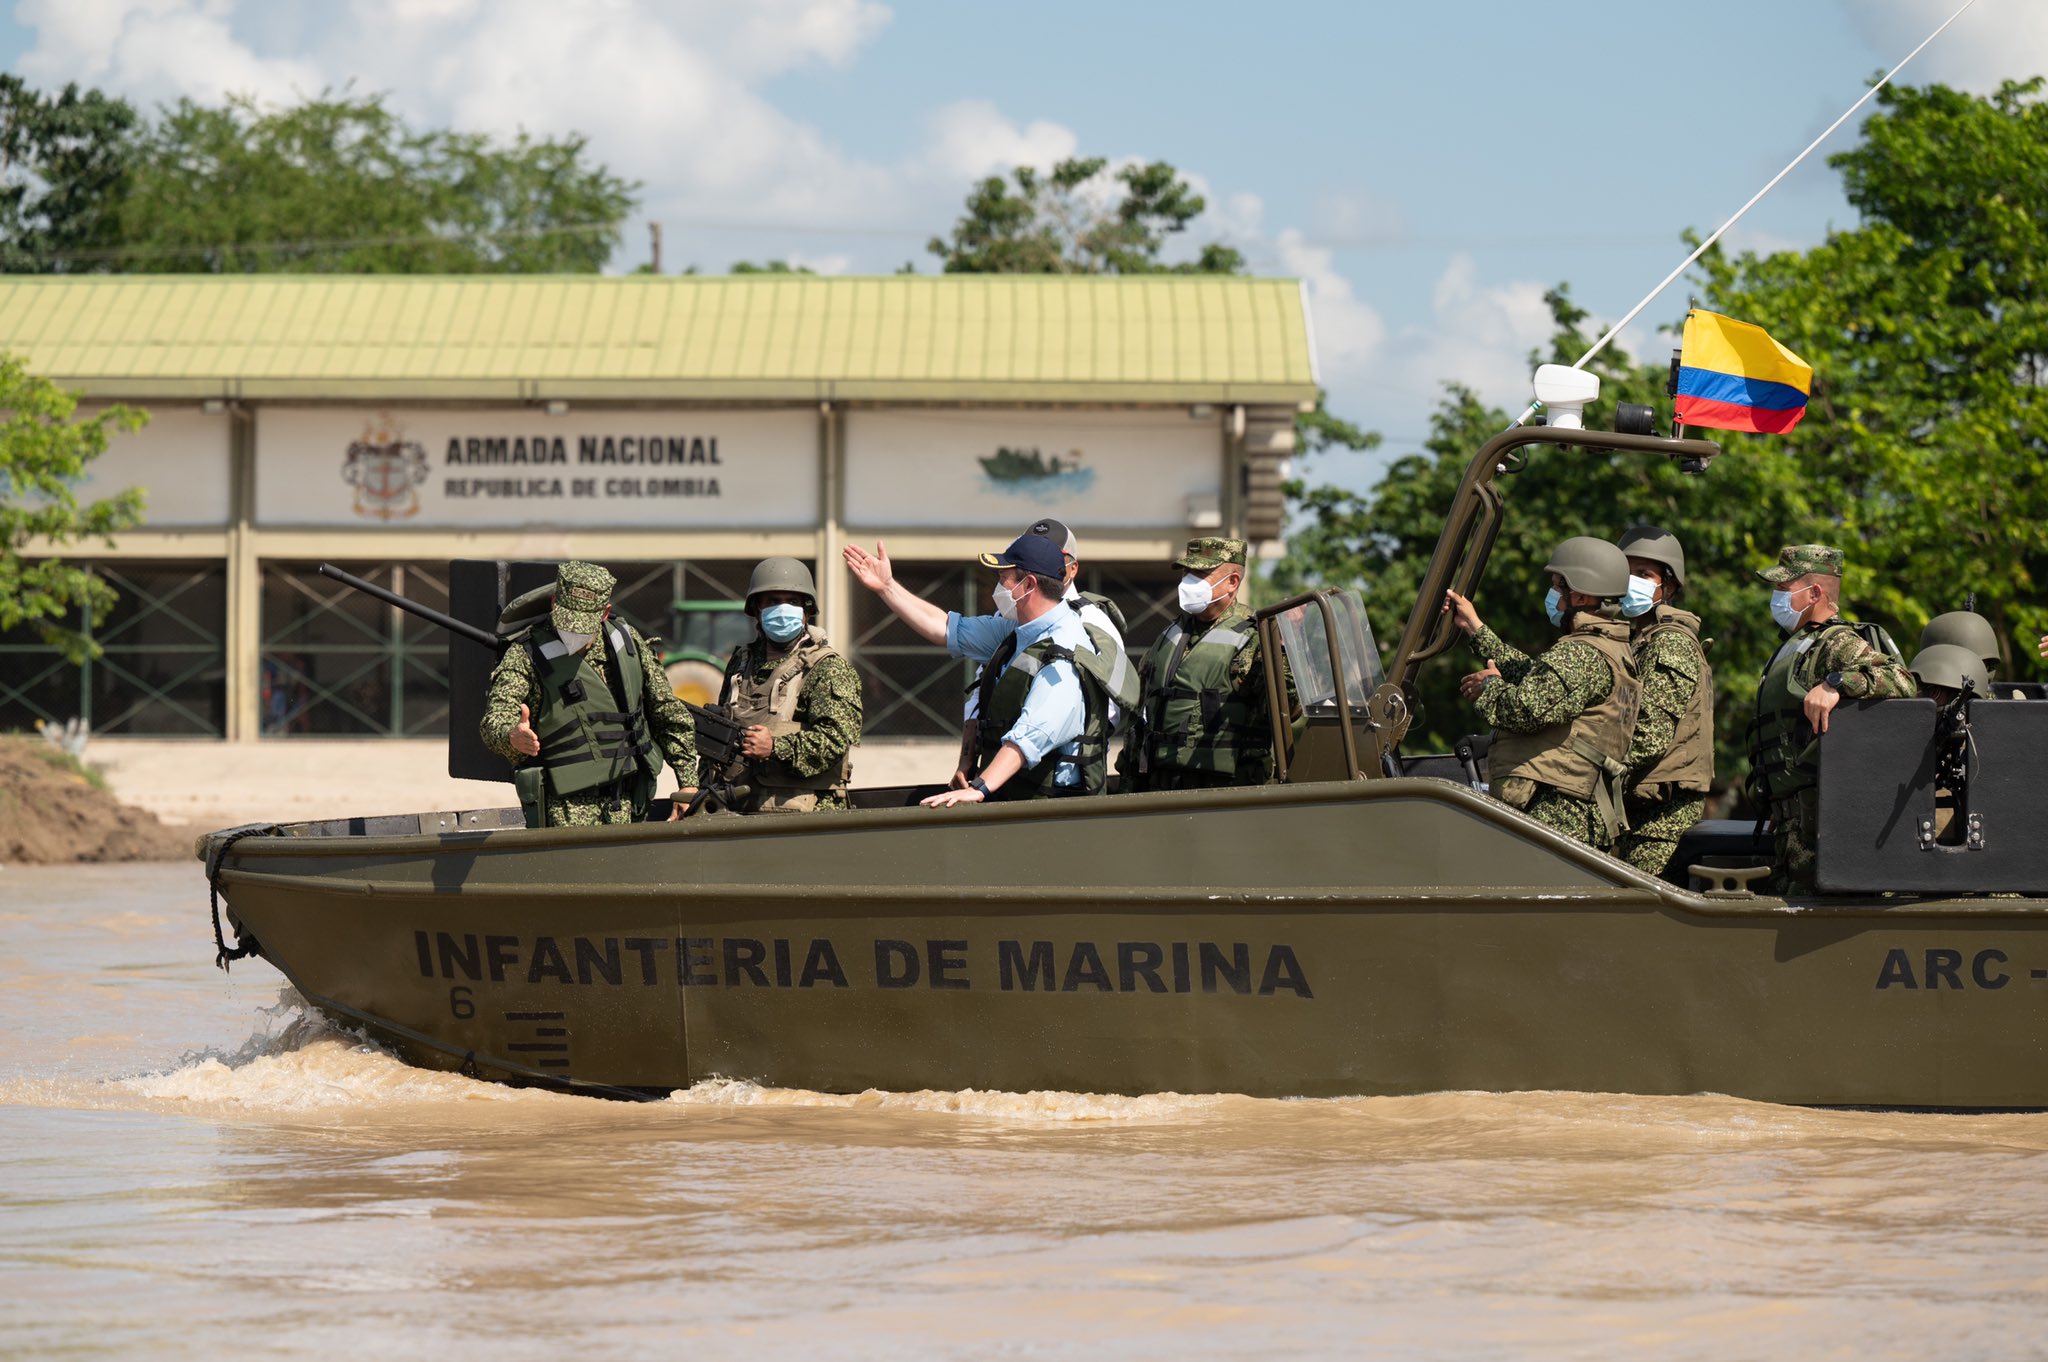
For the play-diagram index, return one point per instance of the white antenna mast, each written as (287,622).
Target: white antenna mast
(1755,198)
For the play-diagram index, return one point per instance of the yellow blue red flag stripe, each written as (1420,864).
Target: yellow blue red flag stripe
(1733,376)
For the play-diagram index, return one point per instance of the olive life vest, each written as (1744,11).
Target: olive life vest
(1003,689)
(1585,755)
(1196,718)
(1784,751)
(771,701)
(1688,767)
(592,734)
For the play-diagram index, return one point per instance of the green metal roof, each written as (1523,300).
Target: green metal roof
(744,338)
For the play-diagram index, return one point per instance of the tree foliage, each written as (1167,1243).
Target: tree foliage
(1079,218)
(65,162)
(338,183)
(44,449)
(1927,326)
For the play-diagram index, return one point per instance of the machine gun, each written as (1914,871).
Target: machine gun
(1954,742)
(718,736)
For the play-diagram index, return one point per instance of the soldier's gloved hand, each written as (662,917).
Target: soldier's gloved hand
(757,742)
(873,571)
(524,740)
(1820,702)
(1470,686)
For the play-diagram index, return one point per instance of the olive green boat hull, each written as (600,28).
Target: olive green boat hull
(1381,937)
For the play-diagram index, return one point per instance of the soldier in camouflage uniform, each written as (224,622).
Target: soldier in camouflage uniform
(1562,721)
(797,697)
(1202,719)
(581,708)
(1824,660)
(1671,757)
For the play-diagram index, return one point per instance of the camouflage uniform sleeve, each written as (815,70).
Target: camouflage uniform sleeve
(512,685)
(1514,664)
(668,718)
(1670,671)
(1866,672)
(1560,685)
(829,716)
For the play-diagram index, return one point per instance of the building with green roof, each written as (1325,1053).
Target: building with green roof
(675,428)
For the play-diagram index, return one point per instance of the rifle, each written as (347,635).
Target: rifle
(718,737)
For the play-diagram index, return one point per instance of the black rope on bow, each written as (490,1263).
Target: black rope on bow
(223,954)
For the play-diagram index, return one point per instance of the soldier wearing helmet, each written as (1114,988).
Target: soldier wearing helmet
(1968,630)
(796,695)
(1671,756)
(1823,660)
(581,708)
(1562,722)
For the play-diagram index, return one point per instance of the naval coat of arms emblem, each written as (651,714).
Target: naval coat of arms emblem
(386,470)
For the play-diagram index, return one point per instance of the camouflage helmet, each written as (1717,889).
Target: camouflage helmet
(1658,546)
(1965,629)
(1951,666)
(582,593)
(1591,567)
(782,574)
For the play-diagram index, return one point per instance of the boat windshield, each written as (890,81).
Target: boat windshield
(1305,637)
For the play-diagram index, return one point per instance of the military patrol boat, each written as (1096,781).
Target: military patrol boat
(1371,923)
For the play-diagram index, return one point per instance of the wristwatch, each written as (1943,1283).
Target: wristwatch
(1833,681)
(980,787)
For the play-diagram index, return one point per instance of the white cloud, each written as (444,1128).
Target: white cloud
(972,139)
(1349,332)
(1997,40)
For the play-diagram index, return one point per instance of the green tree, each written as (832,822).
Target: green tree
(65,161)
(44,449)
(1079,219)
(1927,327)
(343,184)
(769,267)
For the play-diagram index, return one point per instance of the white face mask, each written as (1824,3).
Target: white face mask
(1006,602)
(1641,597)
(575,643)
(1196,595)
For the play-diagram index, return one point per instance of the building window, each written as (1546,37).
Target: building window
(162,667)
(337,663)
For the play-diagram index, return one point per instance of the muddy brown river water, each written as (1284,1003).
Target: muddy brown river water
(190,1167)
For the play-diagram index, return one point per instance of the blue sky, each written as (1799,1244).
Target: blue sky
(1428,168)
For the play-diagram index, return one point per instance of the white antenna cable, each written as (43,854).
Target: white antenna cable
(1755,198)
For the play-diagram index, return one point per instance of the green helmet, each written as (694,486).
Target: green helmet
(1659,546)
(1951,665)
(782,574)
(1591,567)
(1965,629)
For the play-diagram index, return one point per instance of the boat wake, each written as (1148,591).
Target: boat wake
(1020,1106)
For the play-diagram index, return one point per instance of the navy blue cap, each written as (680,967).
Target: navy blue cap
(1031,554)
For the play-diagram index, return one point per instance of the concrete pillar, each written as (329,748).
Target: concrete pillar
(244,643)
(835,586)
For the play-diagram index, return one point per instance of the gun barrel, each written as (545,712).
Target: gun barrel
(482,637)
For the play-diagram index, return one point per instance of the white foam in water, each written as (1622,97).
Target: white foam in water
(1020,1106)
(298,1062)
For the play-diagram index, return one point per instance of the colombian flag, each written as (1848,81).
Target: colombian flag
(1733,376)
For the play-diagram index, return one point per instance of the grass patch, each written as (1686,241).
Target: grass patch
(58,759)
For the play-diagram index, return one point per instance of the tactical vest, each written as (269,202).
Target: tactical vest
(1688,767)
(1196,720)
(1002,704)
(771,702)
(1109,608)
(586,740)
(1584,756)
(1784,751)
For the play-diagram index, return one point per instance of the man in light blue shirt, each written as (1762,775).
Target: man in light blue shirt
(1041,735)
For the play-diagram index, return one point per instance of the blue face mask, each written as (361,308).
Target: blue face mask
(782,623)
(1553,606)
(1783,613)
(1641,597)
